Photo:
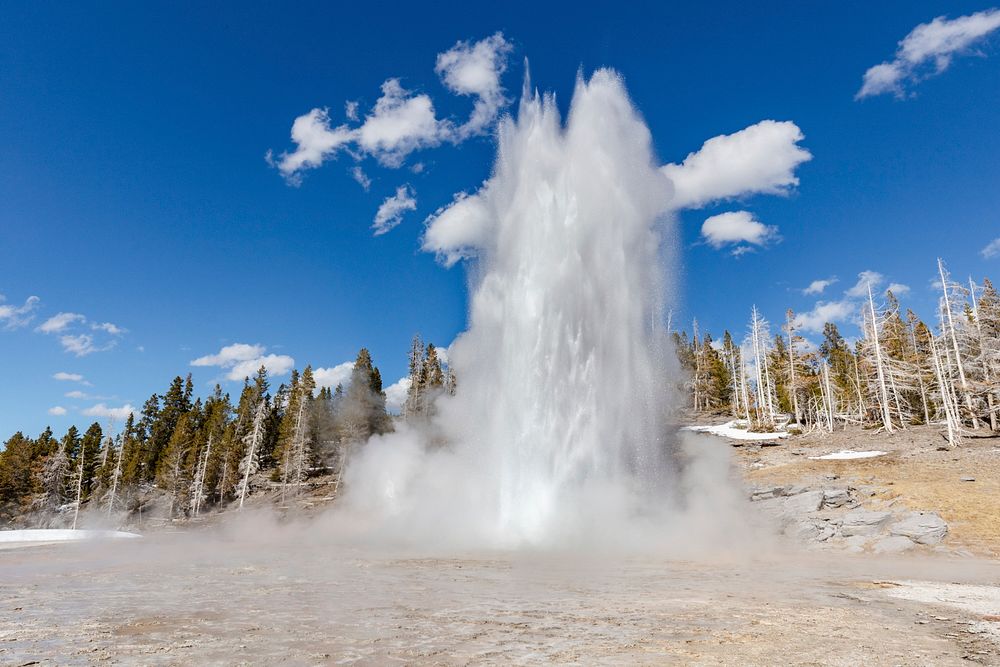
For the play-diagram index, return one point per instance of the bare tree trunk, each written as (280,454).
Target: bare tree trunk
(954,342)
(883,392)
(79,483)
(945,395)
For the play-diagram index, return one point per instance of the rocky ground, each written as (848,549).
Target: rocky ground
(919,495)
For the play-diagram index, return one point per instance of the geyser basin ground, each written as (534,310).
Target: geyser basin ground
(192,600)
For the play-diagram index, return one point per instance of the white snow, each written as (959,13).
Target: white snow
(847,454)
(37,535)
(731,430)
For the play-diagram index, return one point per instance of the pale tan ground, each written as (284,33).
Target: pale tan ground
(180,601)
(298,597)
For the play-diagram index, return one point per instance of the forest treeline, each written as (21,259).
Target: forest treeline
(902,371)
(196,453)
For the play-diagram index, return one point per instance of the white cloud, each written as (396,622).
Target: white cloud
(476,70)
(80,344)
(390,213)
(991,250)
(108,327)
(243,360)
(359,175)
(76,394)
(351,109)
(854,298)
(818,286)
(455,231)
(927,51)
(315,141)
(83,344)
(823,312)
(401,121)
(331,377)
(62,376)
(735,227)
(15,317)
(57,411)
(399,124)
(102,410)
(230,354)
(276,365)
(60,322)
(865,279)
(395,394)
(759,159)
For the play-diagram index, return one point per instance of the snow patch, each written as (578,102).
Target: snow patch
(734,431)
(60,535)
(847,454)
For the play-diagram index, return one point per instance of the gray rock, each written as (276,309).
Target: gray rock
(967,479)
(856,541)
(836,497)
(804,503)
(765,492)
(810,530)
(855,544)
(921,527)
(864,522)
(894,544)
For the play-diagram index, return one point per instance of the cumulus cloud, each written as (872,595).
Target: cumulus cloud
(818,286)
(991,250)
(456,230)
(391,212)
(242,360)
(865,279)
(760,159)
(60,322)
(476,70)
(927,51)
(839,310)
(395,394)
(230,354)
(331,377)
(57,411)
(15,317)
(62,376)
(737,227)
(108,412)
(314,140)
(823,312)
(403,121)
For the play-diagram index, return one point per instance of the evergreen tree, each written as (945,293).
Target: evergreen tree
(17,483)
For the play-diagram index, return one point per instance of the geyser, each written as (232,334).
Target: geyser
(558,426)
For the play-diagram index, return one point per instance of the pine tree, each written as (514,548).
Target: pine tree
(17,483)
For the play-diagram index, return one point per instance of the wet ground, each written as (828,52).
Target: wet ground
(190,599)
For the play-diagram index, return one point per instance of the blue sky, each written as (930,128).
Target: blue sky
(134,189)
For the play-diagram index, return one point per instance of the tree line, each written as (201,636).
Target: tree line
(900,372)
(193,454)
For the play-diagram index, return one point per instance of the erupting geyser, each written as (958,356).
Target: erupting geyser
(558,424)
